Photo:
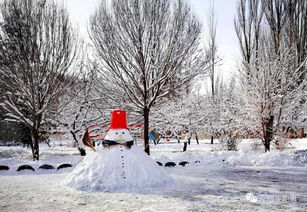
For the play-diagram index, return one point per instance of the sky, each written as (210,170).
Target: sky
(227,43)
(228,49)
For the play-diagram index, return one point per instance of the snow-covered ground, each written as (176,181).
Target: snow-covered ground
(214,180)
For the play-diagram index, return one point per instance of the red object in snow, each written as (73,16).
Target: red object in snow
(168,139)
(118,120)
(135,126)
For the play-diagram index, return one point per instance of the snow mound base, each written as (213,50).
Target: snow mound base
(117,169)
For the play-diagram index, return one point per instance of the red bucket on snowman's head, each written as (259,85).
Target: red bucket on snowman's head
(118,120)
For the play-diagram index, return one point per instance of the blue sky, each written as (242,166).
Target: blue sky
(81,10)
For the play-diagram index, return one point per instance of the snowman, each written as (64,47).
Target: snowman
(119,165)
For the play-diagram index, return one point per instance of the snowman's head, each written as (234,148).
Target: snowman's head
(119,135)
(118,128)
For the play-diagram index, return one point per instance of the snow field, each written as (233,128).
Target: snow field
(220,182)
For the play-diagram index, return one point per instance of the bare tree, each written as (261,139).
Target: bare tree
(274,65)
(287,22)
(214,59)
(296,30)
(37,52)
(247,26)
(84,112)
(230,121)
(269,94)
(149,51)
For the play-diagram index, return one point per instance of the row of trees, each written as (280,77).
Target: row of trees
(267,98)
(145,57)
(143,53)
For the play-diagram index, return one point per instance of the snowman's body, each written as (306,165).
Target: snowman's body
(119,166)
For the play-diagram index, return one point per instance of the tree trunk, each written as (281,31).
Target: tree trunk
(196,137)
(34,143)
(211,139)
(154,142)
(81,150)
(178,139)
(268,134)
(158,140)
(146,128)
(185,144)
(266,146)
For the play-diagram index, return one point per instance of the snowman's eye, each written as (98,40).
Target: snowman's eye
(116,133)
(123,133)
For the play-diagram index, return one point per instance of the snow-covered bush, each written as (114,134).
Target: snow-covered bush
(223,117)
(229,142)
(180,119)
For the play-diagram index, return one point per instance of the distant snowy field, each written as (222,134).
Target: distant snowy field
(214,180)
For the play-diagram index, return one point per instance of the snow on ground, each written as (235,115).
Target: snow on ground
(59,153)
(220,181)
(212,155)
